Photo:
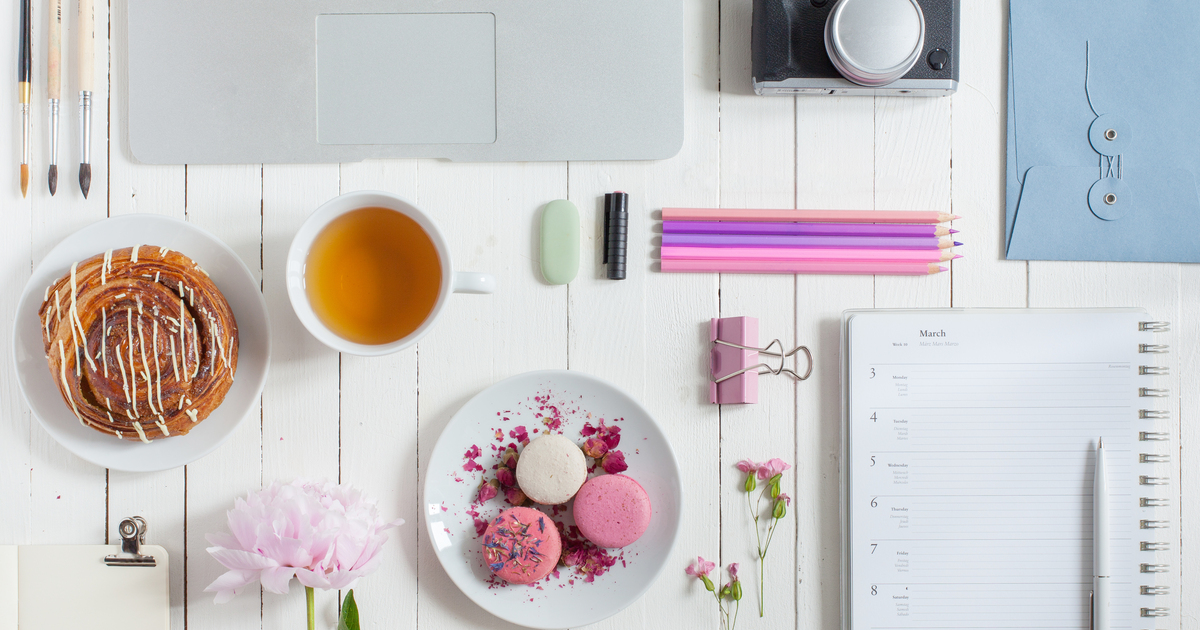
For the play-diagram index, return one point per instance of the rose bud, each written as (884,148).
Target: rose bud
(594,447)
(489,490)
(614,462)
(613,437)
(514,496)
(509,458)
(506,477)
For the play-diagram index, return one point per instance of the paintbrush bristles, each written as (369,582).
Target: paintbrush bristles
(53,179)
(24,180)
(85,178)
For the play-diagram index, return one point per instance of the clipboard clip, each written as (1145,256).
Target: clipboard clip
(133,536)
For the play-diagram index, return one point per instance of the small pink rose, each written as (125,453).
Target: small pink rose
(506,477)
(514,496)
(614,462)
(594,447)
(489,490)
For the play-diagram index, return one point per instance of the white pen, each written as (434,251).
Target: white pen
(1100,543)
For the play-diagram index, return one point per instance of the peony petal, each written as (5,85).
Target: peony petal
(237,559)
(312,579)
(229,541)
(232,580)
(276,580)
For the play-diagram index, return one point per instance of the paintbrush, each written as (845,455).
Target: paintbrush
(54,87)
(24,77)
(87,55)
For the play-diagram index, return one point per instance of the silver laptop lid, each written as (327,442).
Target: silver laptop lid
(472,80)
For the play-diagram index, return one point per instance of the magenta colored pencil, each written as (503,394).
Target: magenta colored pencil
(803,266)
(824,242)
(804,229)
(773,253)
(822,216)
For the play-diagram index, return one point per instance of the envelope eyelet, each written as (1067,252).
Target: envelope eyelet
(1110,135)
(1110,199)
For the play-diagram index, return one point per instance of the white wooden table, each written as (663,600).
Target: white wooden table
(373,422)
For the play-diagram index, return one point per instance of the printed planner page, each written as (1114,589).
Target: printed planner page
(972,438)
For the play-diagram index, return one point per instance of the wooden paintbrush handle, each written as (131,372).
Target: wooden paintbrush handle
(87,45)
(54,54)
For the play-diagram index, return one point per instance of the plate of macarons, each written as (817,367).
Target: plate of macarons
(553,499)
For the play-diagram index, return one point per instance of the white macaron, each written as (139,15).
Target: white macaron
(551,469)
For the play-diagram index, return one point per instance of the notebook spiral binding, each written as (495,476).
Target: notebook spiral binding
(1154,458)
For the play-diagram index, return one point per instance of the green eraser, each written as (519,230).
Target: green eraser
(560,242)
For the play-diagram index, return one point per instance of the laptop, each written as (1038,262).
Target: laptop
(321,81)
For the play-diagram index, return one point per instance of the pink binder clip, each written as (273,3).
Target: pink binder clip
(735,364)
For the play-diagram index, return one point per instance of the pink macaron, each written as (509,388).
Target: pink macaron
(521,545)
(612,510)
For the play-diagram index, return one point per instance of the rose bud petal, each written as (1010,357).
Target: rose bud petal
(614,462)
(509,458)
(514,496)
(595,448)
(506,477)
(489,490)
(613,437)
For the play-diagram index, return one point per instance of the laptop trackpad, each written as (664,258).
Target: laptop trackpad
(415,78)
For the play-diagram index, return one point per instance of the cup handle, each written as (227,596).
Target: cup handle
(474,282)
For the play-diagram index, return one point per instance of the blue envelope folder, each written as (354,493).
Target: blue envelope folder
(1103,130)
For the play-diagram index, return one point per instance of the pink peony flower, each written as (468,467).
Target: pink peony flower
(749,467)
(323,534)
(614,462)
(772,467)
(700,567)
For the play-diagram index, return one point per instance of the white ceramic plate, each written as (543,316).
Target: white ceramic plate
(450,491)
(235,282)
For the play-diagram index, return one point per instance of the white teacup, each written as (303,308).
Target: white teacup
(460,282)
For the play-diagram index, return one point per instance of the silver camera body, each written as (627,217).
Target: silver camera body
(855,47)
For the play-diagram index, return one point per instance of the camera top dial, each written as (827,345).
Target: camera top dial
(874,42)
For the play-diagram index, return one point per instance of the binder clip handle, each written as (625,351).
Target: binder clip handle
(133,536)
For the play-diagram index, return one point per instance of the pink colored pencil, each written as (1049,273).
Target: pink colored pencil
(812,216)
(773,253)
(837,267)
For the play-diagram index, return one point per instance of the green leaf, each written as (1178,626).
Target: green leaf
(349,620)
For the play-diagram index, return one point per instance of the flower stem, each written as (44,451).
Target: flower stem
(762,582)
(312,616)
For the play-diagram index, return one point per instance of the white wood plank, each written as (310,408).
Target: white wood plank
(1187,352)
(379,437)
(488,214)
(757,169)
(982,277)
(300,417)
(835,169)
(912,163)
(227,201)
(660,322)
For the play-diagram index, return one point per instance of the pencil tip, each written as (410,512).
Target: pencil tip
(53,179)
(85,178)
(954,217)
(956,257)
(957,244)
(24,180)
(941,268)
(953,231)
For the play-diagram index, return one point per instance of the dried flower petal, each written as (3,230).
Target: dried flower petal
(613,437)
(509,458)
(506,477)
(733,566)
(595,447)
(489,490)
(514,496)
(614,462)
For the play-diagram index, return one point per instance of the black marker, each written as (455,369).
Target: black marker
(616,229)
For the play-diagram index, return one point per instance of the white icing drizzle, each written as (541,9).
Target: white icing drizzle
(83,336)
(189,401)
(162,427)
(183,337)
(119,296)
(133,255)
(57,310)
(192,414)
(181,293)
(156,274)
(162,251)
(119,437)
(104,267)
(196,348)
(221,351)
(157,370)
(181,398)
(173,320)
(192,296)
(145,368)
(46,297)
(174,361)
(108,403)
(62,373)
(104,340)
(132,369)
(74,345)
(124,382)
(137,426)
(139,303)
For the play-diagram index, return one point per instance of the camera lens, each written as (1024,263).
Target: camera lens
(874,42)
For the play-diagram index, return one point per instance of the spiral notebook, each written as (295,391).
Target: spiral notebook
(969,450)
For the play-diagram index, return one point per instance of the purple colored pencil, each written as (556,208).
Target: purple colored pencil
(804,229)
(770,240)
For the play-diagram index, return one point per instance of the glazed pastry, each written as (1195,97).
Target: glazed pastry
(521,545)
(612,510)
(140,342)
(551,469)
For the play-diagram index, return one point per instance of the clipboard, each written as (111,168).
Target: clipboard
(100,587)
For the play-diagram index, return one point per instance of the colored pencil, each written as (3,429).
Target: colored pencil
(770,253)
(840,267)
(816,216)
(771,240)
(804,229)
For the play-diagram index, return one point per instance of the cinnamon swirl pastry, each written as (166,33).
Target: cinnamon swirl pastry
(140,341)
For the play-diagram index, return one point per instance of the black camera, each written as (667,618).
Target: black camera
(855,47)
